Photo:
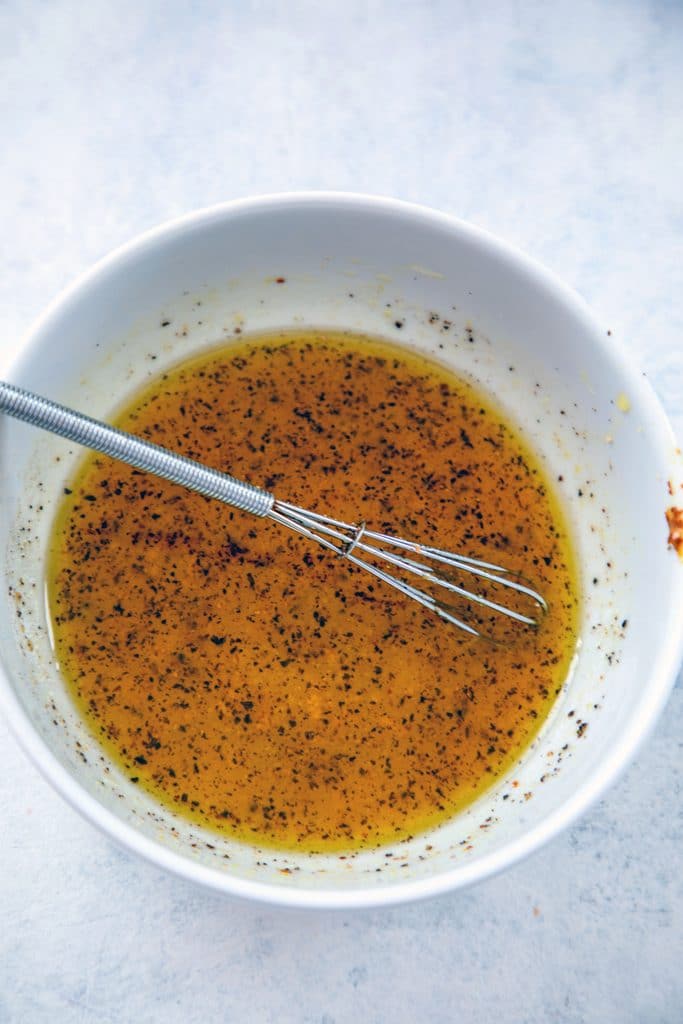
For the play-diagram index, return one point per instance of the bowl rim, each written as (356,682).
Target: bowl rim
(659,681)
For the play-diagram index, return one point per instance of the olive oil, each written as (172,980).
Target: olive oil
(259,685)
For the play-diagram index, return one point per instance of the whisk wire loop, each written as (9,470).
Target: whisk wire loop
(345,538)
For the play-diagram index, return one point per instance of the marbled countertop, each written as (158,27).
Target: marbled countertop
(557,126)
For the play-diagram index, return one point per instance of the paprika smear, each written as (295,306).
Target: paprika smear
(263,687)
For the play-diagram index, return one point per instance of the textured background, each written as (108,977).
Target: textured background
(557,126)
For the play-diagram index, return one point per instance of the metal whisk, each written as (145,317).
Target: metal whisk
(431,565)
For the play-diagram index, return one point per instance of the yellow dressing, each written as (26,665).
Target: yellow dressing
(263,687)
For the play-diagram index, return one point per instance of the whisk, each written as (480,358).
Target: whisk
(434,567)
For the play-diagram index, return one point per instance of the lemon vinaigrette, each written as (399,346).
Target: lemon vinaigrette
(257,684)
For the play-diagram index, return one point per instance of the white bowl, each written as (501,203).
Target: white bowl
(363,263)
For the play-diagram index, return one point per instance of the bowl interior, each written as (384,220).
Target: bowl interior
(364,265)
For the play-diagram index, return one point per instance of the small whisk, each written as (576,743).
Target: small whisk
(434,567)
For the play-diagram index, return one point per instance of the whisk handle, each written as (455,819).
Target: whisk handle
(100,437)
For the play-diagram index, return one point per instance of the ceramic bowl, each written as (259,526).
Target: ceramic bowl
(364,264)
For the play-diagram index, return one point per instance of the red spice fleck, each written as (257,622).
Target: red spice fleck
(674,517)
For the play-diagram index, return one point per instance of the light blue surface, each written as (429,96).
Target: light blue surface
(555,125)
